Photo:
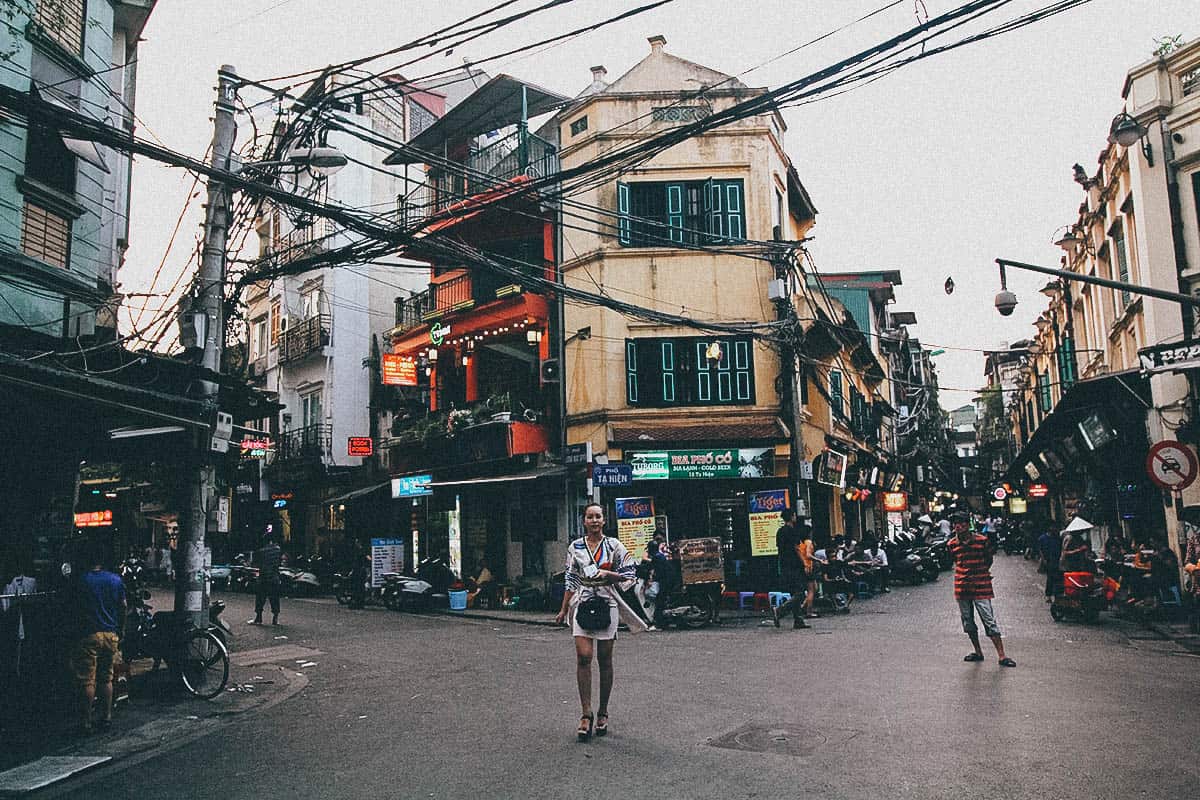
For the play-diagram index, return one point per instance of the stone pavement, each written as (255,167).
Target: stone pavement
(157,715)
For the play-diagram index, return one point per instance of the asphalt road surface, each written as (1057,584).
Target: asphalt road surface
(874,704)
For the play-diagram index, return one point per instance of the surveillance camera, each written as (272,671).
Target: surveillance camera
(1006,303)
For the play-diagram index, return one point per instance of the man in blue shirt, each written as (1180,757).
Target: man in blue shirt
(102,602)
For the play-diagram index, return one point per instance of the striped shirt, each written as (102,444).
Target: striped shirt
(972,568)
(610,554)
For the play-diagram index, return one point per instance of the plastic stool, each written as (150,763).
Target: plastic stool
(729,600)
(762,601)
(779,598)
(742,598)
(863,590)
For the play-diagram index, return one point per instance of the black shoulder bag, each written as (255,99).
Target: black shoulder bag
(594,614)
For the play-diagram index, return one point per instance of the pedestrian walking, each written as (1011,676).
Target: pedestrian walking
(591,603)
(973,587)
(790,542)
(269,558)
(1050,549)
(100,596)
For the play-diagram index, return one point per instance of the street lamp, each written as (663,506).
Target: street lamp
(320,161)
(1127,131)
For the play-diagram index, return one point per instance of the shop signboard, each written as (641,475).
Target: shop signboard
(255,447)
(1017,505)
(387,555)
(635,523)
(1169,358)
(732,462)
(412,486)
(93,519)
(454,533)
(361,446)
(399,370)
(833,469)
(895,501)
(766,515)
(1037,490)
(701,561)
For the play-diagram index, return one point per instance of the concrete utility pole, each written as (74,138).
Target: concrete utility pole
(190,578)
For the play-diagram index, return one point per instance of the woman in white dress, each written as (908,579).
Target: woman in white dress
(595,564)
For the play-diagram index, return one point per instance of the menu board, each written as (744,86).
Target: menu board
(635,523)
(701,560)
(387,555)
(766,516)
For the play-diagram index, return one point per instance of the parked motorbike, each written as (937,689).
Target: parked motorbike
(909,562)
(1013,540)
(416,592)
(693,606)
(298,582)
(1084,596)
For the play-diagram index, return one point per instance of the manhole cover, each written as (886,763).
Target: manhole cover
(783,739)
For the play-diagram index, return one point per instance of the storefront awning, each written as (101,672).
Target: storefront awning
(503,312)
(531,475)
(1121,401)
(348,496)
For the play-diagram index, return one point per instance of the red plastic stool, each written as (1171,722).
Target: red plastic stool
(762,601)
(729,600)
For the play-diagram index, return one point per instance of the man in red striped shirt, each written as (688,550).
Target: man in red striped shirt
(973,586)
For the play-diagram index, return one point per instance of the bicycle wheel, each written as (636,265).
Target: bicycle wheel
(204,665)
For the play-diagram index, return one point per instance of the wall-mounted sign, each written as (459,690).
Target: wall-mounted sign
(1169,357)
(438,333)
(255,447)
(1037,490)
(833,469)
(999,493)
(766,515)
(612,474)
(399,370)
(361,446)
(895,501)
(93,519)
(1171,465)
(575,455)
(412,486)
(282,495)
(1017,505)
(635,523)
(756,462)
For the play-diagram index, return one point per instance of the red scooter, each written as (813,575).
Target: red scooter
(1085,595)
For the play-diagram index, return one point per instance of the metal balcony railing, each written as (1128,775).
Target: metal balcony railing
(519,153)
(304,338)
(454,293)
(410,310)
(299,242)
(311,443)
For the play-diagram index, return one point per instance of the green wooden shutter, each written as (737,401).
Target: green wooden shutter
(703,373)
(624,225)
(675,211)
(835,393)
(734,219)
(741,365)
(668,372)
(631,372)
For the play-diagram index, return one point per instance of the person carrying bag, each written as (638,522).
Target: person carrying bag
(595,565)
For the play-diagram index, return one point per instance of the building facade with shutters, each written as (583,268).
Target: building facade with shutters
(703,418)
(64,203)
(1093,398)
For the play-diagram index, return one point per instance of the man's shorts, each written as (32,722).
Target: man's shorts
(967,610)
(92,659)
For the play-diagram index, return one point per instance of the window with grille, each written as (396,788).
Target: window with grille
(689,371)
(660,214)
(63,22)
(579,126)
(45,235)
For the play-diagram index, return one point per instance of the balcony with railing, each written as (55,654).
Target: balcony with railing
(304,338)
(521,153)
(310,443)
(301,241)
(410,311)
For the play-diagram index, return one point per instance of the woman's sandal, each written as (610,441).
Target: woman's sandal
(602,723)
(586,723)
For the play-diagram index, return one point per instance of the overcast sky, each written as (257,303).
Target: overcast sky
(934,171)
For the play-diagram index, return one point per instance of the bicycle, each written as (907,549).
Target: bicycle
(197,655)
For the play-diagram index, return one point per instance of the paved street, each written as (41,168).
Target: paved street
(873,704)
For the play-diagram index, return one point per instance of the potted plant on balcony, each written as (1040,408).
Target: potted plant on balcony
(458,419)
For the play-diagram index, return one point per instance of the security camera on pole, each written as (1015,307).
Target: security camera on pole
(205,322)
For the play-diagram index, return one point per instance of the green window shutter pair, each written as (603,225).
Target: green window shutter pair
(835,393)
(631,372)
(624,223)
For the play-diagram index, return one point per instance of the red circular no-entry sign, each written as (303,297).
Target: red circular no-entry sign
(1171,465)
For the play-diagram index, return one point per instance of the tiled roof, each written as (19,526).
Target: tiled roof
(771,430)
